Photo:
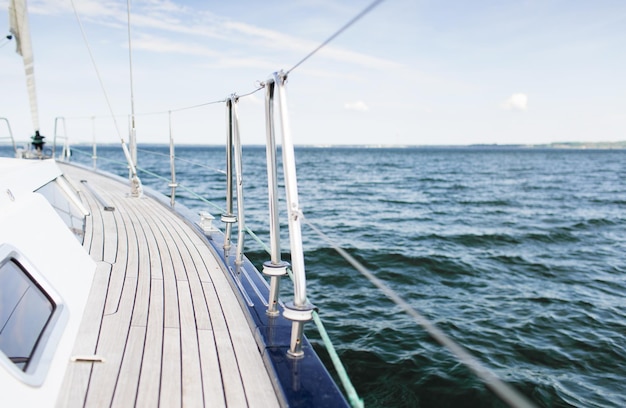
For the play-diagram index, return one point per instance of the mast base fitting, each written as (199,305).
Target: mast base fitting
(272,269)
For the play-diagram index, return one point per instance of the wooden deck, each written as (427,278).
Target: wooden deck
(161,315)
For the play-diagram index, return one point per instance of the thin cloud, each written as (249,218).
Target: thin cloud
(166,16)
(163,45)
(358,106)
(253,100)
(516,102)
(104,9)
(278,40)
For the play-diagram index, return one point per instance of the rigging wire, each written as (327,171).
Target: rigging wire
(7,39)
(507,393)
(504,391)
(95,66)
(260,84)
(136,183)
(356,18)
(133,134)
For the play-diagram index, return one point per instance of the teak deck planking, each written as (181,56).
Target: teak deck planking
(161,313)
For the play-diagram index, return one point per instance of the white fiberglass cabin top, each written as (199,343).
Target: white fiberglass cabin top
(45,278)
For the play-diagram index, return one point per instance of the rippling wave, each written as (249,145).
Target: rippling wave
(517,254)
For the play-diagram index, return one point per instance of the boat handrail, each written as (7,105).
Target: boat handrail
(235,143)
(275,268)
(300,310)
(10,136)
(228,218)
(173,183)
(275,85)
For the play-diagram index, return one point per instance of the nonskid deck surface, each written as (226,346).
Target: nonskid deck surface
(161,313)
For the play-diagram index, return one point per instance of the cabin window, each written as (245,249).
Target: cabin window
(25,311)
(65,206)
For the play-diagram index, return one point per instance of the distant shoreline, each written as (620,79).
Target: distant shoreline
(556,145)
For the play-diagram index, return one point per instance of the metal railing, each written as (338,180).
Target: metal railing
(234,156)
(275,268)
(172,185)
(299,310)
(10,136)
(65,153)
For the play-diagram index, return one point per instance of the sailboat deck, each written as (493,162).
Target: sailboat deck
(163,325)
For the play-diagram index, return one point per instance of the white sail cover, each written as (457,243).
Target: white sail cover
(18,20)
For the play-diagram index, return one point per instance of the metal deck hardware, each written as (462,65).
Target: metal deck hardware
(173,184)
(10,135)
(228,217)
(275,268)
(299,311)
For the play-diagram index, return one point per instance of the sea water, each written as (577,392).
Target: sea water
(517,254)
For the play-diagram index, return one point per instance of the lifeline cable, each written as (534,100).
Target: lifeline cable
(183,160)
(223,100)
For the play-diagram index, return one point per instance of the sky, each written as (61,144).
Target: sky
(410,72)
